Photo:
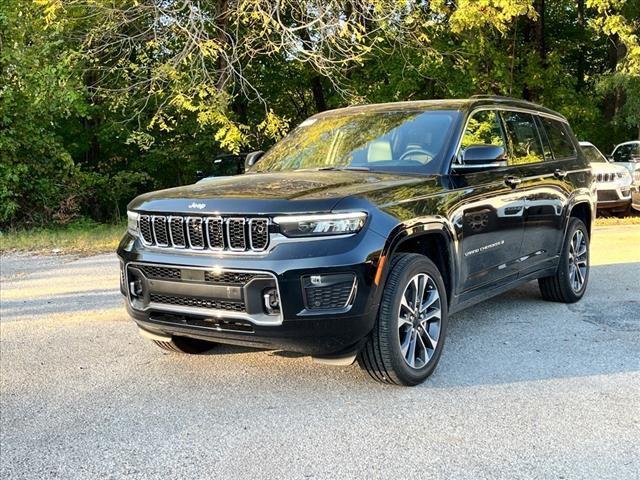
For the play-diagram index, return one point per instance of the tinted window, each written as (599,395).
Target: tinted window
(398,141)
(523,138)
(626,153)
(483,129)
(548,155)
(559,139)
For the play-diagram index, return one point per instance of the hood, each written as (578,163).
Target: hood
(606,168)
(289,192)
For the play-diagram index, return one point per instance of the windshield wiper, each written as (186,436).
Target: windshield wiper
(356,169)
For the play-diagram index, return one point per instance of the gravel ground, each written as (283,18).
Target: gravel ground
(524,389)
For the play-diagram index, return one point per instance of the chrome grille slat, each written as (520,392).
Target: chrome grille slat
(146,232)
(258,233)
(215,233)
(160,231)
(236,234)
(195,232)
(176,231)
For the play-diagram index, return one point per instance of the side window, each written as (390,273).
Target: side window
(559,139)
(548,155)
(523,138)
(483,129)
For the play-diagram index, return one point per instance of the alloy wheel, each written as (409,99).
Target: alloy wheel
(578,260)
(419,320)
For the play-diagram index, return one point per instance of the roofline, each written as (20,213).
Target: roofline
(459,104)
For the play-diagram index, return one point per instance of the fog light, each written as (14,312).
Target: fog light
(135,288)
(329,292)
(271,301)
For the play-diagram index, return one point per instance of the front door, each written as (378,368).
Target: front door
(489,219)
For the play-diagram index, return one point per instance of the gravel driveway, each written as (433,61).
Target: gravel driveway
(524,389)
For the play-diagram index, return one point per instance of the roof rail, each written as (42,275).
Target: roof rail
(497,97)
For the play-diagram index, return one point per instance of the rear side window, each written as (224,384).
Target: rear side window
(523,138)
(559,139)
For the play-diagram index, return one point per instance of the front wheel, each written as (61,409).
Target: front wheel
(570,280)
(407,340)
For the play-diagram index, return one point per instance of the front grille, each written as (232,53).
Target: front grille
(605,177)
(237,234)
(234,278)
(607,196)
(178,238)
(151,271)
(195,232)
(173,273)
(196,302)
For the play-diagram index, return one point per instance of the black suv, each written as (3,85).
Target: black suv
(360,232)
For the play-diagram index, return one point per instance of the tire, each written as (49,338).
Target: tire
(185,345)
(562,286)
(383,356)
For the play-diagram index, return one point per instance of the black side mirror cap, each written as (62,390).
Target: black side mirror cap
(483,154)
(252,158)
(199,174)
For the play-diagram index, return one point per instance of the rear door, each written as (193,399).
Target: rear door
(549,166)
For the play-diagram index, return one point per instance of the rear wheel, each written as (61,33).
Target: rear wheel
(407,340)
(570,280)
(185,345)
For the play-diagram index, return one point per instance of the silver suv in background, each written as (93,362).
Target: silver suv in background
(613,182)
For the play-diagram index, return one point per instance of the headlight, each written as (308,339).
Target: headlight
(623,178)
(321,225)
(636,177)
(132,223)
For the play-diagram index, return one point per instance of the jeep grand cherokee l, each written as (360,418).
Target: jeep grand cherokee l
(358,234)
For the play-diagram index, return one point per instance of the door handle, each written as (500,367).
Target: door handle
(512,181)
(560,173)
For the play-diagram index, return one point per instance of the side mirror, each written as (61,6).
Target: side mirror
(200,174)
(477,157)
(252,158)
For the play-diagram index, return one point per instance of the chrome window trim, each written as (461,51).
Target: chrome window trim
(261,320)
(206,225)
(244,234)
(256,219)
(186,219)
(501,108)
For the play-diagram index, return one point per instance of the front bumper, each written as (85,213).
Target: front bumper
(294,327)
(613,197)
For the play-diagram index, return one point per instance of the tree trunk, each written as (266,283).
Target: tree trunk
(581,43)
(318,94)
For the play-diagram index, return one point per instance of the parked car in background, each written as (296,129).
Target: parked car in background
(635,200)
(613,182)
(627,154)
(223,166)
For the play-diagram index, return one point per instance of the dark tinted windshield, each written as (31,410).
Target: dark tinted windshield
(593,154)
(406,141)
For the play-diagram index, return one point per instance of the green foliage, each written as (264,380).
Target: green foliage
(102,100)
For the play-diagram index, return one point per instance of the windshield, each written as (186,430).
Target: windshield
(593,154)
(629,152)
(407,141)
